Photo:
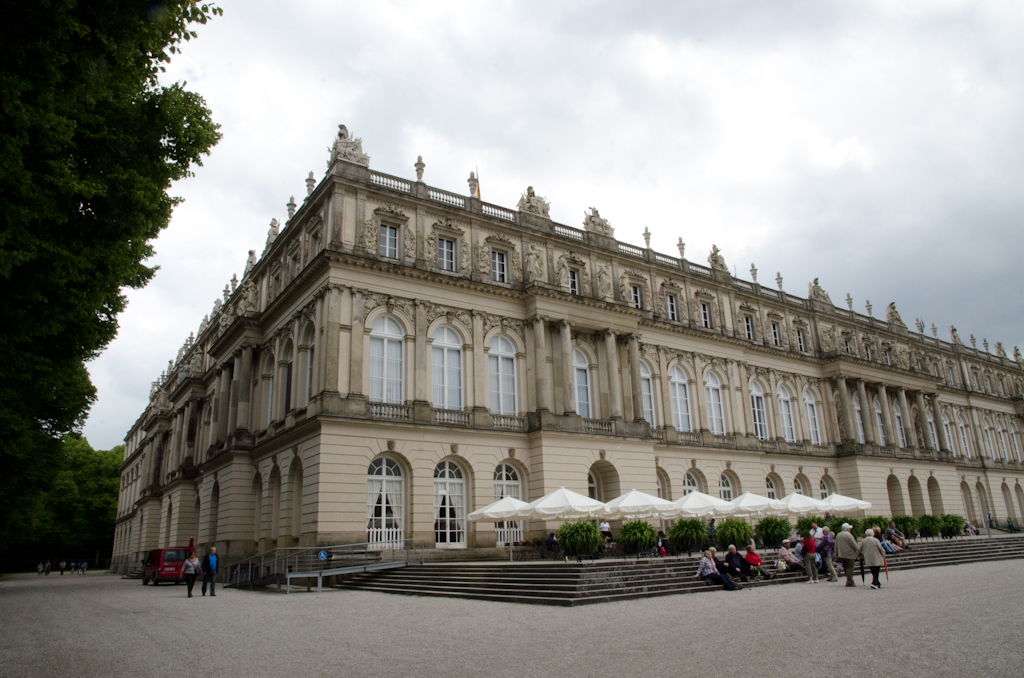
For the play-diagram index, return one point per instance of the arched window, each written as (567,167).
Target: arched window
(769,488)
(449,505)
(988,442)
(386,350)
(501,367)
(798,486)
(901,434)
(963,437)
(812,417)
(286,378)
(680,399)
(716,419)
(757,409)
(581,374)
(931,431)
(878,422)
(689,483)
(310,363)
(786,410)
(447,362)
(859,416)
(268,392)
(725,488)
(1002,443)
(1016,449)
(507,484)
(593,490)
(647,393)
(949,434)
(825,487)
(385,493)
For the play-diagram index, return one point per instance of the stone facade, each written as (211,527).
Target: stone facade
(401,355)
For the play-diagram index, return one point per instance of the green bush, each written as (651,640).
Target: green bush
(688,533)
(736,532)
(836,526)
(579,538)
(908,525)
(950,525)
(869,523)
(772,530)
(804,524)
(636,536)
(928,526)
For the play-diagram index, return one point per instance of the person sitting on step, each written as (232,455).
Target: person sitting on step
(707,570)
(788,559)
(896,537)
(757,568)
(735,565)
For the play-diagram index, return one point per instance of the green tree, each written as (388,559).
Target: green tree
(90,142)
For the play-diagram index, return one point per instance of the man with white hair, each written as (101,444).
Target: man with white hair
(786,556)
(846,551)
(874,556)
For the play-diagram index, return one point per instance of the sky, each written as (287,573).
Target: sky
(878,146)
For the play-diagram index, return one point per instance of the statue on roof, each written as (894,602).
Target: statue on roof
(892,316)
(533,203)
(1000,351)
(272,233)
(348,149)
(595,223)
(954,335)
(250,263)
(716,259)
(814,291)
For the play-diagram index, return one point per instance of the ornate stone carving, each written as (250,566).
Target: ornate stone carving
(348,149)
(533,203)
(248,300)
(483,259)
(1016,355)
(829,338)
(892,316)
(604,282)
(465,261)
(389,208)
(367,237)
(250,263)
(954,335)
(814,291)
(716,260)
(595,223)
(903,357)
(681,246)
(409,244)
(535,263)
(272,234)
(419,167)
(1000,351)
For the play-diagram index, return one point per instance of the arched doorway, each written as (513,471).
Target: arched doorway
(449,506)
(295,498)
(935,496)
(1020,497)
(275,504)
(1008,501)
(965,494)
(896,505)
(214,514)
(916,496)
(385,499)
(982,500)
(257,518)
(507,483)
(690,483)
(603,481)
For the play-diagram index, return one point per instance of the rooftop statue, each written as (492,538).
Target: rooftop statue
(814,291)
(348,149)
(1017,356)
(716,259)
(533,203)
(1000,351)
(250,263)
(892,316)
(595,223)
(272,233)
(954,335)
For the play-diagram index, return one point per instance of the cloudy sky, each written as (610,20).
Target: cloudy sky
(876,145)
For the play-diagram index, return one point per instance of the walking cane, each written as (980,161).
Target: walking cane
(886,564)
(861,570)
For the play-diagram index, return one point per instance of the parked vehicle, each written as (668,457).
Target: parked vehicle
(164,565)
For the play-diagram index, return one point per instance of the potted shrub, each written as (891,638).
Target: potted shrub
(735,532)
(950,525)
(637,536)
(804,524)
(772,530)
(929,526)
(579,538)
(908,525)
(686,533)
(869,522)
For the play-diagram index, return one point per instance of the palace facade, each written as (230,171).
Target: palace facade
(400,356)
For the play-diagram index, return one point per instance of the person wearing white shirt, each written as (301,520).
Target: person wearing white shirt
(606,529)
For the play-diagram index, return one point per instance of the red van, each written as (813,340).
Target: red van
(164,565)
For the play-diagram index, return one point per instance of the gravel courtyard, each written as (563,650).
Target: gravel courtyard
(949,621)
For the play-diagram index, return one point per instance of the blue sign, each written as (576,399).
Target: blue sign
(322,555)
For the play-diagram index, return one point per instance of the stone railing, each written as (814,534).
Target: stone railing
(388,181)
(665,259)
(448,198)
(507,422)
(499,212)
(391,411)
(689,438)
(697,269)
(451,417)
(631,250)
(568,232)
(598,426)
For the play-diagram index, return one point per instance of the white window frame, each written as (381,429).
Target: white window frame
(680,392)
(800,343)
(690,483)
(499,266)
(748,322)
(858,414)
(581,391)
(387,361)
(776,334)
(811,407)
(769,488)
(879,422)
(716,415)
(757,409)
(501,372)
(706,318)
(932,430)
(964,440)
(786,414)
(446,249)
(647,393)
(672,307)
(901,434)
(636,296)
(947,429)
(449,498)
(446,364)
(388,241)
(823,486)
(725,488)
(574,281)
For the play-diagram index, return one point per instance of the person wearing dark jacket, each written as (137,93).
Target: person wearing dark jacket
(735,565)
(210,570)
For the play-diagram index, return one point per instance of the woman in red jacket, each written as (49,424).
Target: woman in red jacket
(809,565)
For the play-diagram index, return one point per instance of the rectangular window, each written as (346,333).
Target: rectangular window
(498,271)
(849,349)
(888,358)
(503,384)
(574,282)
(705,315)
(800,341)
(672,307)
(867,350)
(748,324)
(445,254)
(388,241)
(635,296)
(776,334)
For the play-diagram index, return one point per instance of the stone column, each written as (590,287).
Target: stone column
(236,374)
(567,375)
(701,423)
(223,403)
(940,430)
(611,347)
(883,400)
(867,414)
(294,386)
(922,422)
(540,363)
(481,370)
(908,426)
(634,377)
(848,427)
(776,405)
(191,414)
(746,404)
(355,374)
(174,459)
(666,390)
(420,361)
(245,392)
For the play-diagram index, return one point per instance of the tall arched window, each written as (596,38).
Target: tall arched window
(680,399)
(878,422)
(931,431)
(310,363)
(949,434)
(786,410)
(812,417)
(1016,449)
(716,419)
(1002,443)
(508,484)
(385,492)
(581,374)
(689,483)
(593,489)
(769,488)
(725,488)
(268,392)
(757,410)
(798,486)
(963,437)
(501,368)
(647,393)
(901,434)
(859,416)
(287,366)
(386,350)
(449,505)
(447,362)
(988,442)
(825,488)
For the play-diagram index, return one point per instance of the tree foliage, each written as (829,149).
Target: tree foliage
(579,538)
(90,142)
(636,536)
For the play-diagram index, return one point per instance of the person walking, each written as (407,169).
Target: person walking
(827,548)
(39,569)
(63,565)
(210,570)
(846,551)
(46,568)
(191,568)
(874,556)
(812,569)
(84,566)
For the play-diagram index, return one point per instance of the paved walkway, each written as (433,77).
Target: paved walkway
(949,621)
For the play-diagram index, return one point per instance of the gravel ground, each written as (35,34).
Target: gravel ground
(948,621)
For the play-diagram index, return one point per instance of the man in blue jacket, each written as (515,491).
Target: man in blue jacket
(210,570)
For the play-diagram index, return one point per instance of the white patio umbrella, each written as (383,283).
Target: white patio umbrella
(505,508)
(801,505)
(839,503)
(562,504)
(700,505)
(634,504)
(749,504)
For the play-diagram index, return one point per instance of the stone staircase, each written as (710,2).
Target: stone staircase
(570,584)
